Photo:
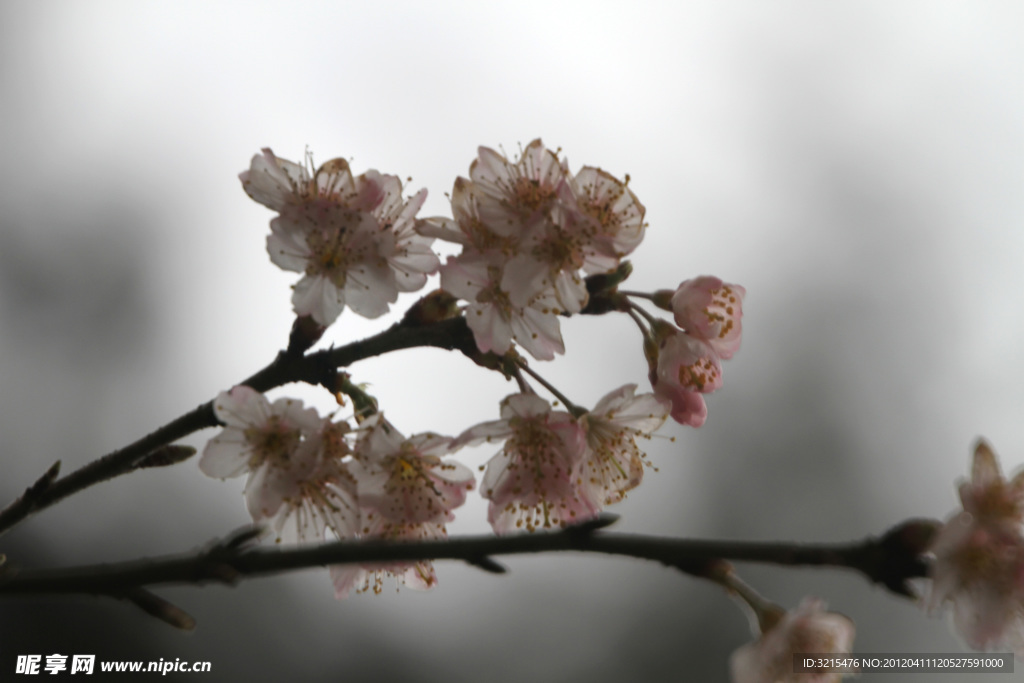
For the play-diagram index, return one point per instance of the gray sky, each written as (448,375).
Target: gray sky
(856,166)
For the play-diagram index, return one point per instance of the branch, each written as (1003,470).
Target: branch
(416,329)
(314,368)
(890,560)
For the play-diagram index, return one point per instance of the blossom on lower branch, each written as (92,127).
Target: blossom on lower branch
(326,498)
(531,482)
(978,560)
(613,463)
(273,442)
(309,481)
(406,493)
(556,469)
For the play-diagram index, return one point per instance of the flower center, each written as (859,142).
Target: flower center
(273,441)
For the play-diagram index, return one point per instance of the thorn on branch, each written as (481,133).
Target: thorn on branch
(26,503)
(602,521)
(216,562)
(487,564)
(239,538)
(156,606)
(44,481)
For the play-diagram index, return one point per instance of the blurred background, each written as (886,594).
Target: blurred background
(856,166)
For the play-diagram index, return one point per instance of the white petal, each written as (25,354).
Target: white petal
(318,297)
(225,455)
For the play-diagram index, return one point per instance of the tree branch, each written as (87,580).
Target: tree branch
(891,559)
(314,368)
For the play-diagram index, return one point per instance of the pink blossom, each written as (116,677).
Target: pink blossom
(406,492)
(529,230)
(607,216)
(548,261)
(686,367)
(532,482)
(807,629)
(491,315)
(353,238)
(270,442)
(613,463)
(405,480)
(325,498)
(417,575)
(712,311)
(467,227)
(523,200)
(516,194)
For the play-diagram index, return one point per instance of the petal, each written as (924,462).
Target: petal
(226,455)
(538,331)
(275,183)
(443,229)
(345,577)
(317,296)
(524,278)
(241,407)
(287,247)
(369,288)
(985,469)
(494,430)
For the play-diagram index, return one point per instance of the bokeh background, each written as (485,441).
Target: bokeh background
(857,166)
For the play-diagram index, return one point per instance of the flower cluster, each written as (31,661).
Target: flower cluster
(528,231)
(352,237)
(557,469)
(308,475)
(686,361)
(537,242)
(979,559)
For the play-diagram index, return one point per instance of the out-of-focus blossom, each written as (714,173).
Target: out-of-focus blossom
(980,569)
(531,483)
(406,492)
(269,441)
(352,237)
(988,496)
(979,559)
(613,463)
(712,311)
(806,629)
